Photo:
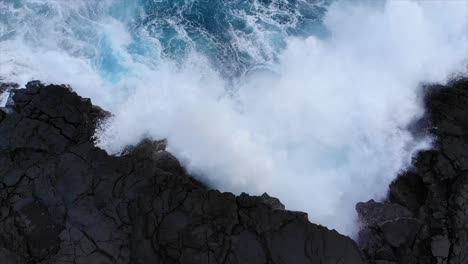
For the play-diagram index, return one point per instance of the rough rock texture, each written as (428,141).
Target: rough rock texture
(425,218)
(62,200)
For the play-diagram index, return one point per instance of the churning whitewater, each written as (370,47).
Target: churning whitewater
(307,100)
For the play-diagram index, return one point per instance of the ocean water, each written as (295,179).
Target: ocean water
(308,100)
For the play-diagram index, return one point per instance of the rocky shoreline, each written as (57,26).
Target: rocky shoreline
(425,218)
(63,200)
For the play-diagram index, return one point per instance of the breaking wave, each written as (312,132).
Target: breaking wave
(307,100)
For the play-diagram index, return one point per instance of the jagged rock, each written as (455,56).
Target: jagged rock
(385,226)
(409,191)
(399,231)
(373,243)
(434,189)
(62,200)
(373,213)
(275,203)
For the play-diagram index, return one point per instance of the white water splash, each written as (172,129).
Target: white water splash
(324,128)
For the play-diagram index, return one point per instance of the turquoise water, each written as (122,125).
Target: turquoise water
(237,36)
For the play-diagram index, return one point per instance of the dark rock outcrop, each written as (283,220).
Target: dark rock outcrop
(425,218)
(62,200)
(5,87)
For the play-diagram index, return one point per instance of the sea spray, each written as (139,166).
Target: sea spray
(314,113)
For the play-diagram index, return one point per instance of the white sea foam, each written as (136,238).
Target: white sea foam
(324,128)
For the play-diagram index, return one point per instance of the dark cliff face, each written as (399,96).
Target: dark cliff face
(425,218)
(62,200)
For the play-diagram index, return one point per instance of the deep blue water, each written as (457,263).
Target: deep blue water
(237,36)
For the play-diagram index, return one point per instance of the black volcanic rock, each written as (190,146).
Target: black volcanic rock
(62,200)
(4,87)
(432,227)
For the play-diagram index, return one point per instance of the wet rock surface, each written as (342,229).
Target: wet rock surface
(425,218)
(62,200)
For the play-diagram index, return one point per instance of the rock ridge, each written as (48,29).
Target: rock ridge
(425,218)
(63,200)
